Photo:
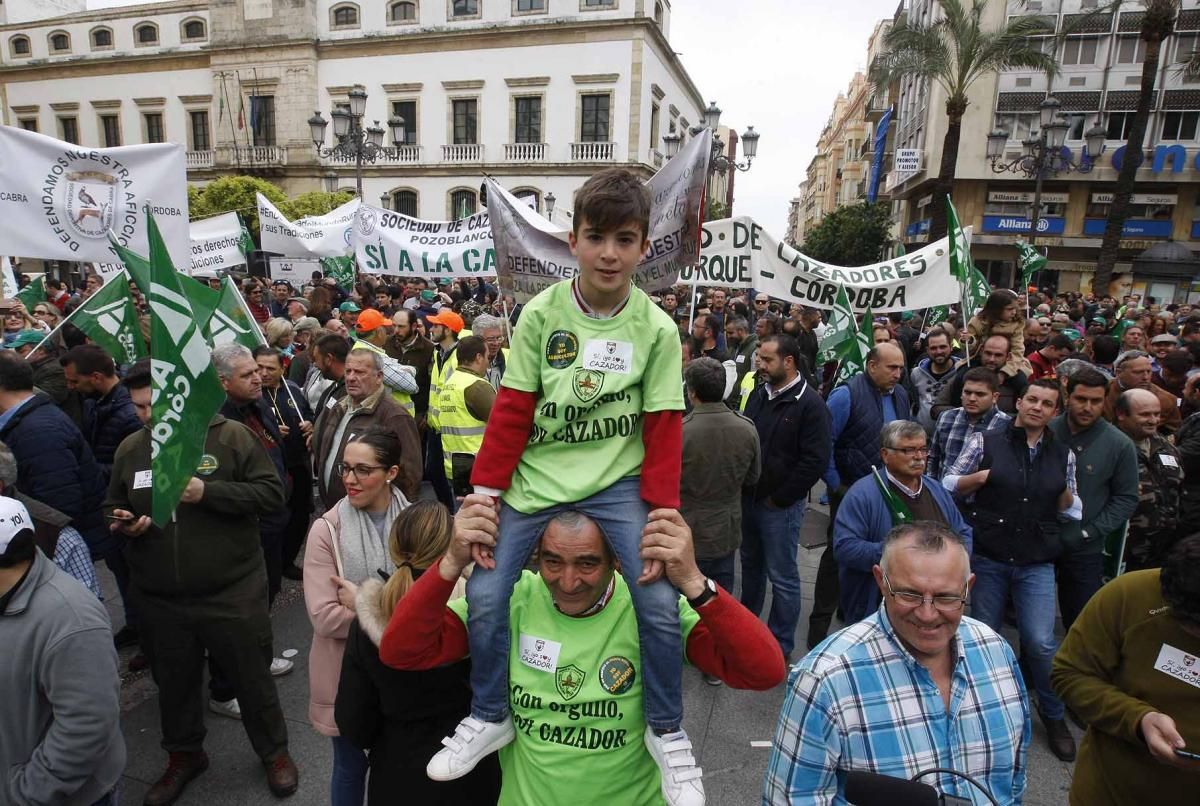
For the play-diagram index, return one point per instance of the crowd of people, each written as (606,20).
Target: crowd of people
(515,631)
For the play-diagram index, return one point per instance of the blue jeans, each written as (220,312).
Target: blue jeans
(770,537)
(348,784)
(719,570)
(621,514)
(1032,590)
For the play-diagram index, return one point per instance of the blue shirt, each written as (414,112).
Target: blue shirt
(861,701)
(839,414)
(8,415)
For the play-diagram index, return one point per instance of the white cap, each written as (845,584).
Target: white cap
(14,519)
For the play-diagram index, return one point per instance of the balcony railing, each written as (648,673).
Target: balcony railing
(592,152)
(388,155)
(258,155)
(462,152)
(524,152)
(197,160)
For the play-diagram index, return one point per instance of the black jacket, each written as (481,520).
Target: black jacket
(794,432)
(107,422)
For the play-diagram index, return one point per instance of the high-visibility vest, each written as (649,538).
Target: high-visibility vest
(403,398)
(747,386)
(437,379)
(461,431)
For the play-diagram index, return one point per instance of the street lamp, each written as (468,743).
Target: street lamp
(353,141)
(385,201)
(549,200)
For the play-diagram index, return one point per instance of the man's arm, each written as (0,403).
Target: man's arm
(422,632)
(852,528)
(965,477)
(806,752)
(398,376)
(754,470)
(1122,497)
(950,397)
(404,426)
(839,413)
(815,453)
(937,446)
(258,491)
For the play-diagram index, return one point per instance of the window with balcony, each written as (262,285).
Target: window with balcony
(1131,50)
(102,38)
(145,34)
(465,113)
(110,130)
(464,9)
(528,120)
(153,123)
(1179,125)
(60,42)
(68,129)
(1119,124)
(1079,50)
(193,31)
(594,118)
(464,202)
(402,13)
(405,202)
(408,111)
(198,121)
(19,46)
(262,119)
(344,16)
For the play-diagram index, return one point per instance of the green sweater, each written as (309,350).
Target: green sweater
(1106,671)
(1106,472)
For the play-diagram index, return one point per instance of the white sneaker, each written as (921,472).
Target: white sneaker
(473,739)
(280,667)
(230,709)
(681,785)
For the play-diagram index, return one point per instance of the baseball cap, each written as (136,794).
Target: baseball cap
(305,323)
(370,319)
(447,318)
(1164,338)
(14,519)
(301,300)
(33,337)
(428,295)
(349,307)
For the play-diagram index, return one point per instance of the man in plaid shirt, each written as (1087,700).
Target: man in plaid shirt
(978,414)
(914,686)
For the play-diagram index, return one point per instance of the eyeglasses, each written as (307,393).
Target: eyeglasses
(942,603)
(910,452)
(494,339)
(760,302)
(358,471)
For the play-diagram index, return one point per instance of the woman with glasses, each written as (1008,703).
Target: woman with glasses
(347,546)
(47,315)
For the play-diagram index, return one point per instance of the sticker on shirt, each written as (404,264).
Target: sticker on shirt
(587,384)
(1168,460)
(740,359)
(561,349)
(208,465)
(539,653)
(1179,664)
(568,680)
(608,356)
(617,675)
(142,479)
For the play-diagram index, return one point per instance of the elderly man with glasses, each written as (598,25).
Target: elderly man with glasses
(1134,370)
(912,687)
(893,495)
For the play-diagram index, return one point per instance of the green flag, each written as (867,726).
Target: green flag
(204,299)
(232,321)
(341,269)
(935,316)
(186,391)
(838,330)
(853,358)
(975,288)
(33,293)
(898,509)
(1030,260)
(109,318)
(245,242)
(138,266)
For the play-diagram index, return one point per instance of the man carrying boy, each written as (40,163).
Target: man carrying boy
(589,413)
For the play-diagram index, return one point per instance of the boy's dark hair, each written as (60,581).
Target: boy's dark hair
(471,348)
(705,377)
(334,346)
(1061,342)
(1177,361)
(610,198)
(1089,377)
(1044,383)
(16,374)
(89,358)
(981,375)
(788,347)
(138,375)
(1105,349)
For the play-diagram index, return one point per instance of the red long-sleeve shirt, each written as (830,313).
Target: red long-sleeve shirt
(728,642)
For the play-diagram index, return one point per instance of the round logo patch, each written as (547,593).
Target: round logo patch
(617,675)
(561,349)
(367,218)
(208,465)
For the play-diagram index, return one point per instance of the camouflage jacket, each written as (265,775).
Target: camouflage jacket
(1153,525)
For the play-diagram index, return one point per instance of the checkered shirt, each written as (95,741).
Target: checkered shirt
(860,701)
(71,554)
(952,429)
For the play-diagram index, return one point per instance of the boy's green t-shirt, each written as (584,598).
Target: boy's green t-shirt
(575,693)
(594,379)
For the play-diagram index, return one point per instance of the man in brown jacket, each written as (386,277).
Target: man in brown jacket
(1134,371)
(366,404)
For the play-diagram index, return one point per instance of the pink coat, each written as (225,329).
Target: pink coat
(331,623)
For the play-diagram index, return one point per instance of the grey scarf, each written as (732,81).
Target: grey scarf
(362,549)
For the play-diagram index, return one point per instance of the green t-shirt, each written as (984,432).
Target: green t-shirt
(594,379)
(575,692)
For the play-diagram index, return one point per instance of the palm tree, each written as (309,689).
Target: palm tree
(954,51)
(1158,22)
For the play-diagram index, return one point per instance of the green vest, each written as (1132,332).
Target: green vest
(747,386)
(403,398)
(461,431)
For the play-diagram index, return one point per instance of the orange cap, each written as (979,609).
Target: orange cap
(448,318)
(370,319)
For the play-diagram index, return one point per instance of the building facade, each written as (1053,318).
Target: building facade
(538,93)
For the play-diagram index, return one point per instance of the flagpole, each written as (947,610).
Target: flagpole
(68,319)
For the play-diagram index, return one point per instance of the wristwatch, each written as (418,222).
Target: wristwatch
(709,592)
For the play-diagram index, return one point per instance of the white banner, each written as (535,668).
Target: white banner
(738,253)
(296,271)
(216,245)
(313,236)
(58,200)
(532,254)
(9,278)
(391,243)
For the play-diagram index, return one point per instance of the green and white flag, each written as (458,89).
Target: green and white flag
(245,243)
(1030,260)
(975,288)
(33,293)
(185,390)
(853,358)
(341,269)
(935,316)
(899,510)
(231,321)
(839,330)
(110,319)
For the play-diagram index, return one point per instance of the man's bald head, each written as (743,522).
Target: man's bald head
(885,365)
(1139,413)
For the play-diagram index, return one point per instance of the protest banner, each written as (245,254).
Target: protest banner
(216,245)
(296,271)
(392,243)
(312,236)
(738,253)
(59,201)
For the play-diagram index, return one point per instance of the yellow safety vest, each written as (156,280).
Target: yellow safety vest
(747,386)
(462,432)
(403,398)
(437,379)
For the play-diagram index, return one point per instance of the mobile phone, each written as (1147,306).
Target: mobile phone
(121,518)
(1186,754)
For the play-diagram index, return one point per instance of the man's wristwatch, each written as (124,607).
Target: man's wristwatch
(709,592)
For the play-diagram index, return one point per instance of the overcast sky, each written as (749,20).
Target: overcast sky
(776,65)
